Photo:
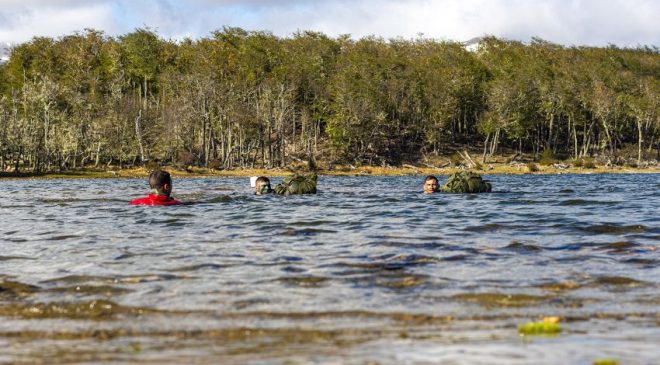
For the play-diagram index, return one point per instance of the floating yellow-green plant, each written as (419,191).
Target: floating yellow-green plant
(548,326)
(605,362)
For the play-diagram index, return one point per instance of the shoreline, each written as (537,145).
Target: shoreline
(491,169)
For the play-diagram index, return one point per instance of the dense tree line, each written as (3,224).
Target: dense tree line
(248,99)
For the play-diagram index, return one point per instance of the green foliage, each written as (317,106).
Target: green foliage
(140,53)
(242,98)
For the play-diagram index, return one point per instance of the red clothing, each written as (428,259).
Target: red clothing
(154,199)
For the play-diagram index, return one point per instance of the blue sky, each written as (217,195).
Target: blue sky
(569,22)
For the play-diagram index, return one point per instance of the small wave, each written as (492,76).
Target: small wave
(242,304)
(489,227)
(200,267)
(403,282)
(106,290)
(288,259)
(580,202)
(520,247)
(61,237)
(220,199)
(127,279)
(614,229)
(501,299)
(96,310)
(621,247)
(305,232)
(17,289)
(559,286)
(644,262)
(457,258)
(8,258)
(618,281)
(303,281)
(16,239)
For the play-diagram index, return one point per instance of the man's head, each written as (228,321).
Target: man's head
(262,185)
(161,181)
(431,184)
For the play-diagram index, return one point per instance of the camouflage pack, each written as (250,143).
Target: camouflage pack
(297,184)
(466,182)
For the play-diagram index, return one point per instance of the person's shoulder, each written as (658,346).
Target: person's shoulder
(155,200)
(141,201)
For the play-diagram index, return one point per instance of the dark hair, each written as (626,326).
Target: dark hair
(430,177)
(262,179)
(159,178)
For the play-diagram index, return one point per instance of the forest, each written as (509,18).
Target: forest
(242,98)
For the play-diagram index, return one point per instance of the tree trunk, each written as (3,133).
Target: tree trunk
(483,156)
(640,140)
(138,134)
(98,153)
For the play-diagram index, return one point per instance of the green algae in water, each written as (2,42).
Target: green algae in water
(539,328)
(605,362)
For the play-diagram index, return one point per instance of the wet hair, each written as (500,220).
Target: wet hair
(159,178)
(262,179)
(430,177)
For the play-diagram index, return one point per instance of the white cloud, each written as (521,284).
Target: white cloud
(20,21)
(592,22)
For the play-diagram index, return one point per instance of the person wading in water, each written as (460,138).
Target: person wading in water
(161,187)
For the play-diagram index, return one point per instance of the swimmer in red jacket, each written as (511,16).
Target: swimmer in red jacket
(161,188)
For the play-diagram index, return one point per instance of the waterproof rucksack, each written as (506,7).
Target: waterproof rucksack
(466,182)
(297,184)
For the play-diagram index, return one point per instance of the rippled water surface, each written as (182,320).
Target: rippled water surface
(368,271)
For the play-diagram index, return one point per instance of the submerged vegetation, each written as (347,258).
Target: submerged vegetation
(254,100)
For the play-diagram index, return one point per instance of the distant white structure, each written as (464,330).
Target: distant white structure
(473,44)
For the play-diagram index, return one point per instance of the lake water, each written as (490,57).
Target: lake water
(367,271)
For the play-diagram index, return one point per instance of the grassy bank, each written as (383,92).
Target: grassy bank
(336,170)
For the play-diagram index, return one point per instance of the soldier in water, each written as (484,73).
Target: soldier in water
(161,187)
(459,182)
(291,185)
(431,185)
(262,186)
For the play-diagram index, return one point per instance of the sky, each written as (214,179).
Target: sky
(625,23)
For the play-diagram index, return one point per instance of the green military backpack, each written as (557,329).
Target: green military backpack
(466,182)
(297,184)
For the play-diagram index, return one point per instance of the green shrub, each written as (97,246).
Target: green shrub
(588,164)
(455,159)
(215,164)
(547,157)
(185,159)
(152,166)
